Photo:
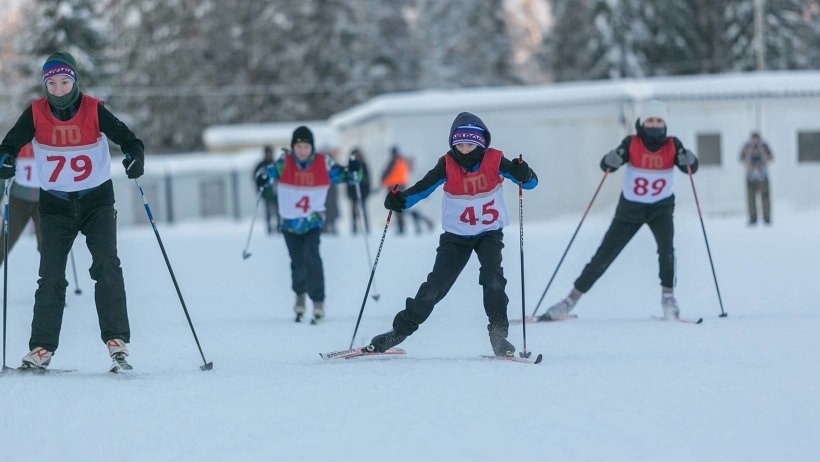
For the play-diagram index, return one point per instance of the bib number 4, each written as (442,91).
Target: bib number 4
(488,214)
(80,165)
(303,203)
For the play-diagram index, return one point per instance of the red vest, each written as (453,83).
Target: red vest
(485,179)
(81,130)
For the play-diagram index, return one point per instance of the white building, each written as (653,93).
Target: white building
(562,130)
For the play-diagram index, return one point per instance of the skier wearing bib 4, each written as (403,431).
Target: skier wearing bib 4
(69,133)
(473,216)
(303,178)
(650,157)
(24,199)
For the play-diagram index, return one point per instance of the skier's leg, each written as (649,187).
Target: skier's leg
(451,257)
(620,232)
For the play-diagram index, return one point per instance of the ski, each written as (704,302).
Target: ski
(315,321)
(516,359)
(119,364)
(35,371)
(361,352)
(683,320)
(536,319)
(298,317)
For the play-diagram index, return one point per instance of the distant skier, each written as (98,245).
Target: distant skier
(24,199)
(303,177)
(650,157)
(69,132)
(473,216)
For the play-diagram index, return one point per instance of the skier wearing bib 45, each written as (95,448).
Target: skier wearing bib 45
(69,132)
(650,157)
(473,216)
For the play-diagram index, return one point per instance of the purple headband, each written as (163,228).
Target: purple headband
(469,134)
(57,68)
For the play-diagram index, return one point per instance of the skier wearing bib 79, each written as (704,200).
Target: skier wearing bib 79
(69,132)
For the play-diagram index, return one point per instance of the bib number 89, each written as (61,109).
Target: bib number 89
(642,186)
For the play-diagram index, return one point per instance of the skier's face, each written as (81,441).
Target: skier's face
(465,148)
(654,122)
(59,85)
(302,151)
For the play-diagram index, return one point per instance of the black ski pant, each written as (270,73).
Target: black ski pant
(306,271)
(60,221)
(629,217)
(452,256)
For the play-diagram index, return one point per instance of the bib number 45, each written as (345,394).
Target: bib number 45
(488,214)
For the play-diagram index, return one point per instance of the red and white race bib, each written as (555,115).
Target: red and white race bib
(26,173)
(649,176)
(80,168)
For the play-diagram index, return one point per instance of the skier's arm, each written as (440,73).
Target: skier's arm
(424,187)
(617,157)
(119,133)
(685,158)
(20,134)
(525,175)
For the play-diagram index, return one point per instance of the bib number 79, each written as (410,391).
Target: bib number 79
(80,164)
(488,214)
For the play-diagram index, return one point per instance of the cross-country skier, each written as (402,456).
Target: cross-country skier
(69,132)
(303,177)
(650,157)
(473,216)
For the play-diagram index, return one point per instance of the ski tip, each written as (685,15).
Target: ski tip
(376,297)
(699,321)
(538,359)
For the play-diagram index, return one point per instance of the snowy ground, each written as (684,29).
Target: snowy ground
(614,384)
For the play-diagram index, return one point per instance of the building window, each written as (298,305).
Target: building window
(212,198)
(708,148)
(808,146)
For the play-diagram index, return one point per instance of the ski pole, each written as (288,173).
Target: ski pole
(360,204)
(525,353)
(543,294)
(372,273)
(6,186)
(723,314)
(77,289)
(206,365)
(245,253)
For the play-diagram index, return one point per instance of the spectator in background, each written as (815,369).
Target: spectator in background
(756,157)
(332,201)
(24,199)
(268,192)
(364,187)
(397,173)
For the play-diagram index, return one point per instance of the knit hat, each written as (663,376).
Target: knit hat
(60,63)
(654,108)
(469,134)
(302,134)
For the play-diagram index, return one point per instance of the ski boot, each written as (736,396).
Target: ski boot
(118,350)
(299,307)
(498,340)
(558,311)
(385,341)
(670,307)
(318,312)
(37,359)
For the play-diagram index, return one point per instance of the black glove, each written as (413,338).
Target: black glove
(8,167)
(686,157)
(134,166)
(612,160)
(262,178)
(395,201)
(521,170)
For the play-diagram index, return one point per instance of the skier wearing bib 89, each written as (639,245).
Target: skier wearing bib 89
(650,157)
(473,216)
(69,132)
(303,177)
